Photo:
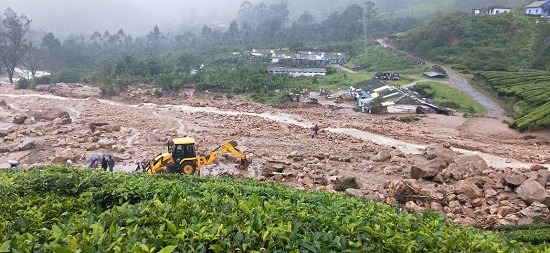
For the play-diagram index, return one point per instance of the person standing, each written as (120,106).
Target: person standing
(111,163)
(104,163)
(314,130)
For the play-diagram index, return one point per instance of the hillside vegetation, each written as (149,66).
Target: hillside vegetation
(415,8)
(465,41)
(527,93)
(78,210)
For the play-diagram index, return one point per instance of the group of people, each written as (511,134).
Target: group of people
(107,163)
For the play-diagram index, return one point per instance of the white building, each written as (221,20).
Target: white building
(296,72)
(491,11)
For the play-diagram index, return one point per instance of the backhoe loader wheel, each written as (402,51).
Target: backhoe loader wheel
(188,168)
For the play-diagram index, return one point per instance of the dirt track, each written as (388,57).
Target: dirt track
(493,109)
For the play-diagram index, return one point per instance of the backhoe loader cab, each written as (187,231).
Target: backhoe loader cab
(182,148)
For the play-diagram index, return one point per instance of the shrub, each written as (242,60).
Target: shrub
(43,79)
(69,75)
(24,83)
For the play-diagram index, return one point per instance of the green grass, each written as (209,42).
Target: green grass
(378,59)
(450,97)
(342,80)
(78,210)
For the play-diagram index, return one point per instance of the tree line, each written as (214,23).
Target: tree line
(258,25)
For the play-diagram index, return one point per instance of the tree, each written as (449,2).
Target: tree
(52,47)
(232,33)
(13,45)
(33,59)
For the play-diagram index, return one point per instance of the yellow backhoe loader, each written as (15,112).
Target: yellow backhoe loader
(182,157)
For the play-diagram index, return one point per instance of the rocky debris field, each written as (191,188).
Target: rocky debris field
(442,164)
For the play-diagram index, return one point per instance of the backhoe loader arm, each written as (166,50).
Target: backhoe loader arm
(224,147)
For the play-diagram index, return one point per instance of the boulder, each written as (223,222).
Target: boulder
(429,169)
(536,211)
(531,191)
(437,206)
(537,167)
(541,176)
(505,210)
(50,114)
(433,151)
(95,125)
(63,121)
(3,133)
(412,207)
(383,155)
(469,190)
(106,143)
(400,190)
(26,144)
(473,164)
(513,179)
(19,120)
(307,181)
(354,192)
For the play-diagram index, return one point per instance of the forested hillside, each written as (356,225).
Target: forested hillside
(395,8)
(465,41)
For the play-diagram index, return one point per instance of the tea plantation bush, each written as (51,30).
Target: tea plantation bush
(528,92)
(79,210)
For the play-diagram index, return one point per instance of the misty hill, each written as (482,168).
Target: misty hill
(138,17)
(497,42)
(415,8)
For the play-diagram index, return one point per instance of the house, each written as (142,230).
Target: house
(491,11)
(296,72)
(538,8)
(320,57)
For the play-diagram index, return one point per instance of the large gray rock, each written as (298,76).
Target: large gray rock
(513,179)
(383,155)
(429,169)
(51,114)
(541,176)
(536,210)
(26,144)
(19,120)
(354,192)
(473,164)
(106,143)
(536,167)
(445,153)
(531,191)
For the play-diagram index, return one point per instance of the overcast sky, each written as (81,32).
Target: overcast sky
(136,17)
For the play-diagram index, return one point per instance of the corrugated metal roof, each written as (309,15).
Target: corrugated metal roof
(536,4)
(434,74)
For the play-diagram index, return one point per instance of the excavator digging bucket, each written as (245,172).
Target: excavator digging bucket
(244,164)
(233,143)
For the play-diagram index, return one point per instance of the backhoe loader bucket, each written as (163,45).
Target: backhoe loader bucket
(244,164)
(233,143)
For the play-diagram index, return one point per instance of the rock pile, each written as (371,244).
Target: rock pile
(467,191)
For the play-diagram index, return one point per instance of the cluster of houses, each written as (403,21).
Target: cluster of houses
(308,57)
(537,8)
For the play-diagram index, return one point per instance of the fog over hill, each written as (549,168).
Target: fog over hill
(138,17)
